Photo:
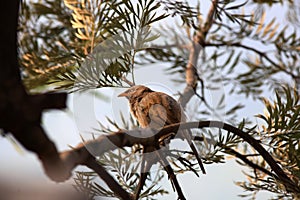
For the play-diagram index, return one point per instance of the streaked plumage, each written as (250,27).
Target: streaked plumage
(156,109)
(152,109)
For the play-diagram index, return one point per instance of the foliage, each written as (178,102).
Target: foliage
(58,42)
(280,133)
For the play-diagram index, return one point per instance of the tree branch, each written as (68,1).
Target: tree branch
(191,75)
(240,156)
(260,53)
(247,161)
(145,167)
(104,143)
(21,112)
(81,156)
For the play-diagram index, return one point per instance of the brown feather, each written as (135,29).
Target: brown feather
(156,110)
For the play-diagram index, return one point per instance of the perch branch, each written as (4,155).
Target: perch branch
(139,136)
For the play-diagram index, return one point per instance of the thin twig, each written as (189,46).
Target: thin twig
(208,106)
(132,66)
(143,177)
(107,178)
(197,157)
(171,174)
(145,168)
(127,81)
(247,161)
(169,46)
(260,53)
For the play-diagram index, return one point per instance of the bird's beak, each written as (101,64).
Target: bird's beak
(124,94)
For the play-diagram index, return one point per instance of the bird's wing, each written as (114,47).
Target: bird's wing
(157,109)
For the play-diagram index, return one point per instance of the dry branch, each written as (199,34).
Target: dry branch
(20,112)
(79,155)
(191,75)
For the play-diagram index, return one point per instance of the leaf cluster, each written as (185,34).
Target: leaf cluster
(188,14)
(83,44)
(256,53)
(280,132)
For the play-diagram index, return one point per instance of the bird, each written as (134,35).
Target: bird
(155,110)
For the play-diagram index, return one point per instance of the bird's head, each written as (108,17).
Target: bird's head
(135,91)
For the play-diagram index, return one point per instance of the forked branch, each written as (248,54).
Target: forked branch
(115,140)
